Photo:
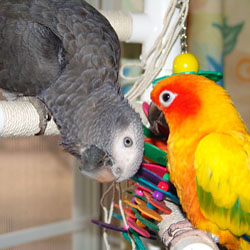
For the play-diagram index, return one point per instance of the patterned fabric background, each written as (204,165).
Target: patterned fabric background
(218,32)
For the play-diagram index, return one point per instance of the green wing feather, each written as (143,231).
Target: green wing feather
(222,165)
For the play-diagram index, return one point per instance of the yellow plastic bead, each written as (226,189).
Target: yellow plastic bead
(140,224)
(185,62)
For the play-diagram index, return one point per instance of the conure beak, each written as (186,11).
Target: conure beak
(157,121)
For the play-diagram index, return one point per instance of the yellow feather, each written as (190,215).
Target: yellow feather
(227,161)
(222,168)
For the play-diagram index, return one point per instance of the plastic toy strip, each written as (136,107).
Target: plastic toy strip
(215,76)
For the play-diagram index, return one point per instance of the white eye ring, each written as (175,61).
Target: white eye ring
(128,142)
(166,98)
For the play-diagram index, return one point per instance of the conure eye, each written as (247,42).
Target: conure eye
(128,142)
(166,98)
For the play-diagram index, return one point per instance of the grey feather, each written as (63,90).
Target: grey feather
(67,55)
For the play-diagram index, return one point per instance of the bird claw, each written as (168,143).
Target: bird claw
(43,112)
(184,231)
(181,225)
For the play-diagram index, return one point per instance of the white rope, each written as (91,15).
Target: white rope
(20,118)
(105,210)
(159,51)
(112,205)
(108,214)
(118,186)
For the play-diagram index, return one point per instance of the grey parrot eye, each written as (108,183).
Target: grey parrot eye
(128,142)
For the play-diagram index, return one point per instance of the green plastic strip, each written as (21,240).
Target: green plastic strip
(138,242)
(147,132)
(155,154)
(212,75)
(144,220)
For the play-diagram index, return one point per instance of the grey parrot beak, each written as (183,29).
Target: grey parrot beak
(107,172)
(115,171)
(101,174)
(96,164)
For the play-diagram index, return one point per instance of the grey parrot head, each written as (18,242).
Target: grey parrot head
(127,145)
(112,140)
(117,153)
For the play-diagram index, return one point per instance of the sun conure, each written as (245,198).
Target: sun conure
(209,156)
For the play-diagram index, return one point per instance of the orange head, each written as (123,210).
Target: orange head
(195,103)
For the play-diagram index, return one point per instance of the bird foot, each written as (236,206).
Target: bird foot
(183,233)
(43,113)
(180,226)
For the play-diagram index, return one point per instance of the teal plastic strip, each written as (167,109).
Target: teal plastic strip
(138,242)
(137,239)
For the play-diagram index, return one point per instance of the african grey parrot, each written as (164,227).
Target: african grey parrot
(66,54)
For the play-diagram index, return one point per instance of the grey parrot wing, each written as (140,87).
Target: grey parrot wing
(29,57)
(38,39)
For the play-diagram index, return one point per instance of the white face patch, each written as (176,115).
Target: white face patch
(126,154)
